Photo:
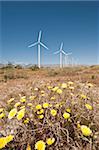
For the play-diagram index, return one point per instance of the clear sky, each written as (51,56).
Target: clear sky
(74,23)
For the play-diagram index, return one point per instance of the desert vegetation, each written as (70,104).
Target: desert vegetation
(49,108)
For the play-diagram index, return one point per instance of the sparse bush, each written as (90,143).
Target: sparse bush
(34,68)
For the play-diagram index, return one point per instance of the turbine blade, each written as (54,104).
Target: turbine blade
(39,37)
(61,46)
(63,52)
(33,44)
(44,45)
(68,53)
(56,52)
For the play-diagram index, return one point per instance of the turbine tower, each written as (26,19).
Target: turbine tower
(60,52)
(39,44)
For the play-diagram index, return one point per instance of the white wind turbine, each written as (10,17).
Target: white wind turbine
(60,52)
(67,57)
(39,43)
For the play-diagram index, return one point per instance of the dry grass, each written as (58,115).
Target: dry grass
(39,86)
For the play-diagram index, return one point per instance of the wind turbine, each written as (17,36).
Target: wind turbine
(39,43)
(60,52)
(67,57)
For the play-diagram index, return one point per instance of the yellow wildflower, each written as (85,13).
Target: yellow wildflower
(53,112)
(59,91)
(57,105)
(88,106)
(78,124)
(55,88)
(35,89)
(40,145)
(42,92)
(49,87)
(85,130)
(83,96)
(21,114)
(2,142)
(41,111)
(68,110)
(28,147)
(41,116)
(26,120)
(12,113)
(70,83)
(1,110)
(22,107)
(66,115)
(38,106)
(30,104)
(32,97)
(53,98)
(5,140)
(23,99)
(90,85)
(45,105)
(71,87)
(10,100)
(64,85)
(9,138)
(2,115)
(50,141)
(17,104)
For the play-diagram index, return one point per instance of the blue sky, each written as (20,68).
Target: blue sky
(74,23)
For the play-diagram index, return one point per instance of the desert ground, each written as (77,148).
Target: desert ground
(49,108)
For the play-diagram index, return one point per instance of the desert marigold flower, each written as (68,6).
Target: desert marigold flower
(35,89)
(26,121)
(41,116)
(1,110)
(45,105)
(30,104)
(59,91)
(2,142)
(5,140)
(38,106)
(66,115)
(2,115)
(49,87)
(21,114)
(23,99)
(85,130)
(89,85)
(53,98)
(40,145)
(50,141)
(71,87)
(70,83)
(10,100)
(17,104)
(32,97)
(28,147)
(64,85)
(68,110)
(88,106)
(53,112)
(9,138)
(57,105)
(42,92)
(22,107)
(83,96)
(55,88)
(12,113)
(41,111)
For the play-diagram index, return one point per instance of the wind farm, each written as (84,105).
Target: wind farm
(49,75)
